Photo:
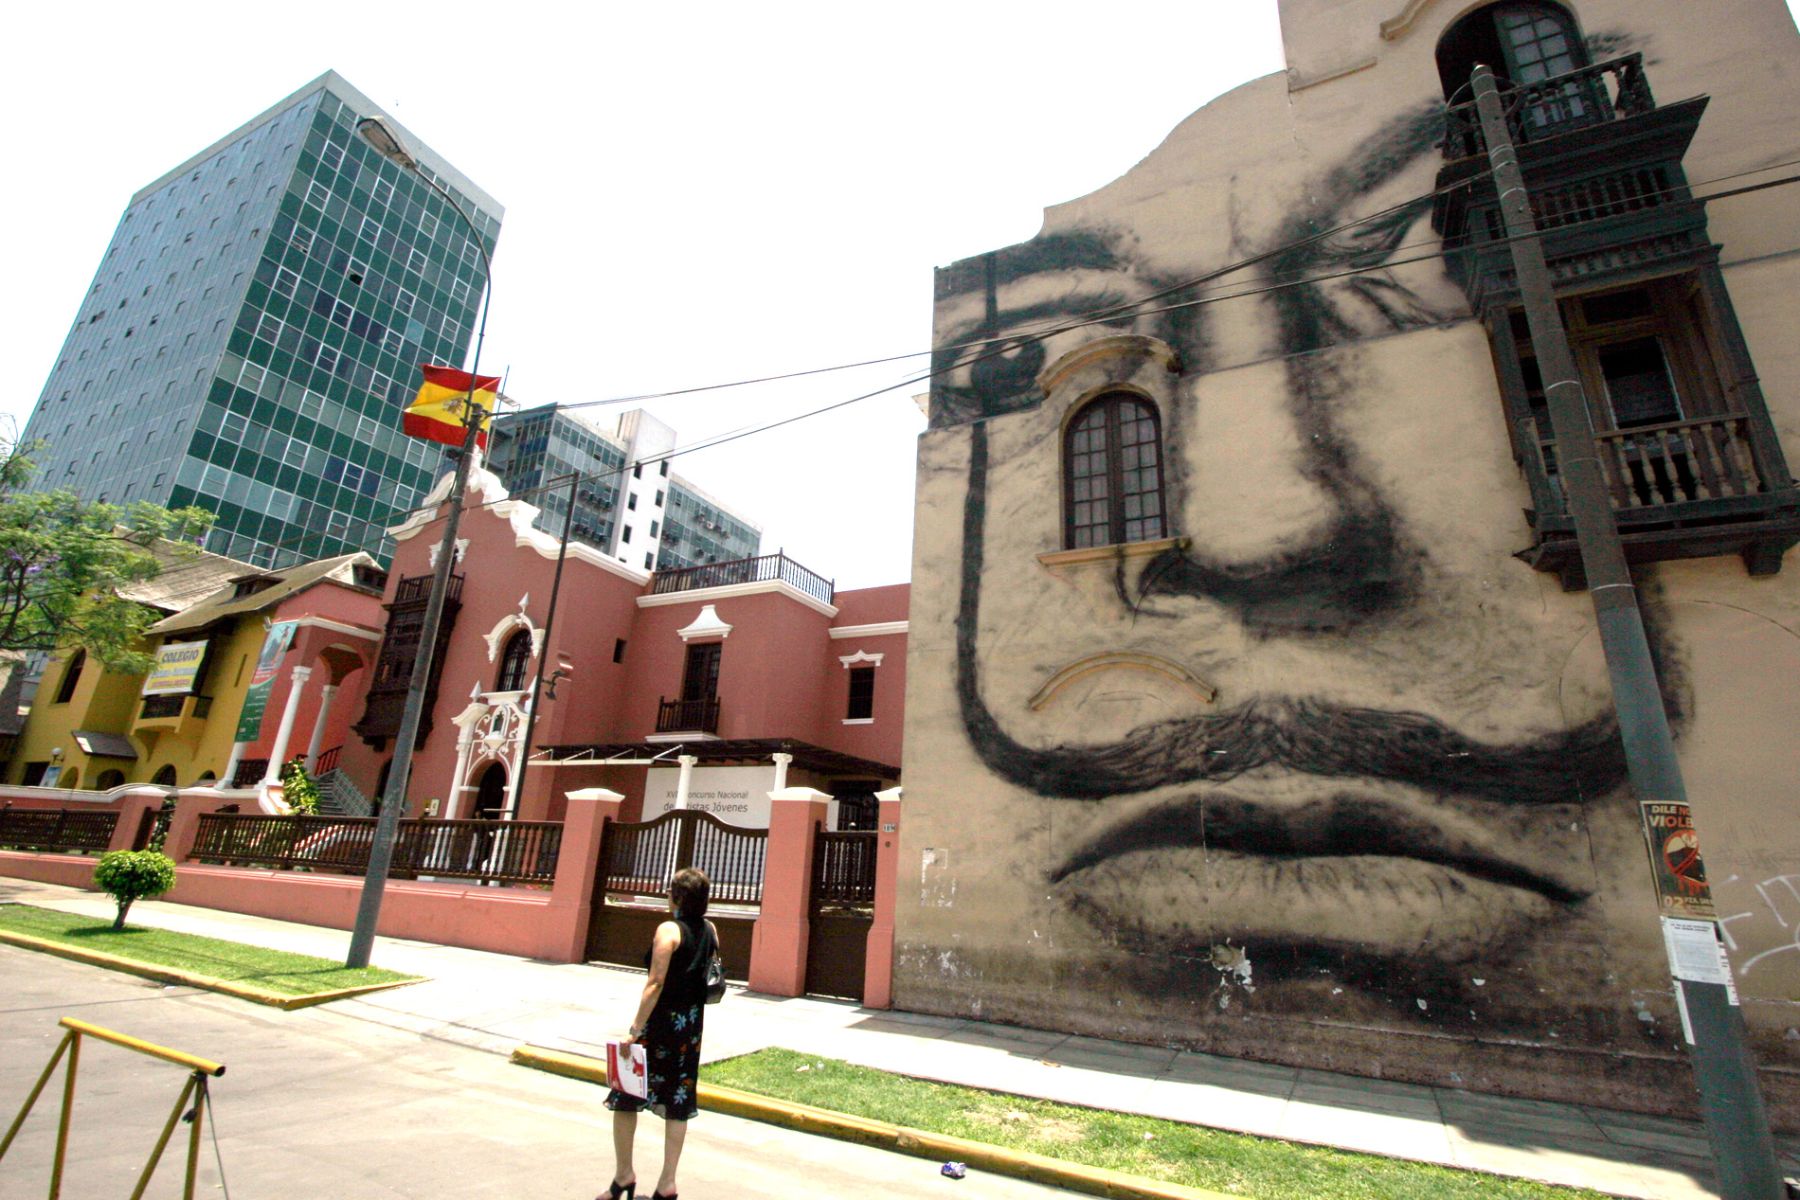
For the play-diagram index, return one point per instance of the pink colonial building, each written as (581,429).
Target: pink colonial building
(741,716)
(703,688)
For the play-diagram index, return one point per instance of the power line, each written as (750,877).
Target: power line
(1012,342)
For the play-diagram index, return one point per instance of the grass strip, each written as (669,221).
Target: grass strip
(1190,1155)
(207,959)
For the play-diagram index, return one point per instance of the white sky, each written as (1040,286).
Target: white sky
(695,193)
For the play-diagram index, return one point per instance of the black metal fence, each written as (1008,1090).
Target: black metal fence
(844,869)
(64,830)
(639,858)
(768,568)
(517,852)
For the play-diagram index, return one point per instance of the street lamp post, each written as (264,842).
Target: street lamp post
(386,143)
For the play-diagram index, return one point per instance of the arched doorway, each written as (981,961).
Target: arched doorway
(165,776)
(490,795)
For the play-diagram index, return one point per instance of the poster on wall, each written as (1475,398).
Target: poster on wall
(256,700)
(177,669)
(735,795)
(1681,887)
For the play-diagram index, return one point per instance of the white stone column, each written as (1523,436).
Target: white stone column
(781,768)
(318,733)
(687,762)
(278,752)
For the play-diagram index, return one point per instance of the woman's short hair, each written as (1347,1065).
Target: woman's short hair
(689,891)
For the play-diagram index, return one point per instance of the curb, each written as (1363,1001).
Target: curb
(241,991)
(1020,1164)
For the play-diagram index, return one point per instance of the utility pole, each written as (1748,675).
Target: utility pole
(1730,1102)
(381,852)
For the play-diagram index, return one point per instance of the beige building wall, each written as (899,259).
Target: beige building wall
(1329,776)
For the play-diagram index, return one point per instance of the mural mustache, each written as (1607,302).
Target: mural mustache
(1299,813)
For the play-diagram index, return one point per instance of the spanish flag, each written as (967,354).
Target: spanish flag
(435,414)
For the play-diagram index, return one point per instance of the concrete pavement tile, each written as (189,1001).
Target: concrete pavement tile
(1419,1103)
(1215,1107)
(1006,1037)
(1692,1146)
(1513,1140)
(1373,1133)
(1247,1077)
(1608,1118)
(1574,1170)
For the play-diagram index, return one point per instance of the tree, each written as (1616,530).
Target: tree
(64,562)
(128,875)
(298,789)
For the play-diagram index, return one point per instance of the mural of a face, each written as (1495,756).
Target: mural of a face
(1398,789)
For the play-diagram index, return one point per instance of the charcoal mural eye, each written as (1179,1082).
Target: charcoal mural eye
(1007,370)
(1370,244)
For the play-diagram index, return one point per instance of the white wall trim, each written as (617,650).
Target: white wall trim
(859,720)
(861,656)
(707,625)
(776,586)
(355,631)
(879,629)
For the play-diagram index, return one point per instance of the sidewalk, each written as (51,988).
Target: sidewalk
(494,1003)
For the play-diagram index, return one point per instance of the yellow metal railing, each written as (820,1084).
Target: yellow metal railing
(199,1071)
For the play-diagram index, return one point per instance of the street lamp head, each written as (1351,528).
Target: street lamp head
(386,142)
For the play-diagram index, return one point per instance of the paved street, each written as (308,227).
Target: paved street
(316,1103)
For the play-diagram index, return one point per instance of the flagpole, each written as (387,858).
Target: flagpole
(375,131)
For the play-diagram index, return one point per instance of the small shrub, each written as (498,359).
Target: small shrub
(129,875)
(298,789)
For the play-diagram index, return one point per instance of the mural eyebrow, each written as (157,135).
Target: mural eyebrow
(1040,256)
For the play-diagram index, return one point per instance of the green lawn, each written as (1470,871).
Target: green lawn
(1168,1150)
(234,962)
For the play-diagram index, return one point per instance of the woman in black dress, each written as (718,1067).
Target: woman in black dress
(668,1022)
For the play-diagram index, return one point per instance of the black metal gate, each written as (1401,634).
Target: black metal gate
(840,913)
(631,888)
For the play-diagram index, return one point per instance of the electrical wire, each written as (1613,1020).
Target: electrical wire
(1015,341)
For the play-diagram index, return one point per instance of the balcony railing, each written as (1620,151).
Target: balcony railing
(162,708)
(416,589)
(768,568)
(1682,462)
(688,716)
(1592,95)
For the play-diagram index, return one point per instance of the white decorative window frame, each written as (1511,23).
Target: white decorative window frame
(861,656)
(496,637)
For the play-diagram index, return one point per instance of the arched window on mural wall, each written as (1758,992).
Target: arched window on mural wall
(1112,473)
(1526,44)
(513,661)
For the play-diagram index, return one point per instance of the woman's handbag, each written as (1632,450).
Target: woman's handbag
(715,970)
(715,979)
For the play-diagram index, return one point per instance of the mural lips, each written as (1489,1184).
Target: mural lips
(1393,871)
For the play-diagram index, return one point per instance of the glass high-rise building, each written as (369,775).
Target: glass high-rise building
(628,503)
(255,330)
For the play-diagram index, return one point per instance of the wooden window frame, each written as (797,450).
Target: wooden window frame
(1111,405)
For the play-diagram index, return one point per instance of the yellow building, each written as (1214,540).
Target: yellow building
(74,734)
(94,729)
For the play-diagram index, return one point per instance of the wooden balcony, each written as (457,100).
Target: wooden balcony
(1603,163)
(688,716)
(1686,489)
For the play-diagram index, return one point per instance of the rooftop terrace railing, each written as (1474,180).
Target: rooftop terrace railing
(766,569)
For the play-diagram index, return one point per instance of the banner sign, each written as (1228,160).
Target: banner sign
(1681,887)
(735,795)
(256,700)
(177,667)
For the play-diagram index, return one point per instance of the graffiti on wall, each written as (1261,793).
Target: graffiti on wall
(1379,846)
